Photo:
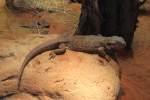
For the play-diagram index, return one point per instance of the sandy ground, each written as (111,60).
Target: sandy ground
(135,70)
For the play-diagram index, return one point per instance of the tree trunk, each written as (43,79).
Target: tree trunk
(90,18)
(109,17)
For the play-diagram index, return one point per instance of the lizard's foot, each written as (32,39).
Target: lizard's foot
(52,55)
(108,59)
(103,54)
(55,52)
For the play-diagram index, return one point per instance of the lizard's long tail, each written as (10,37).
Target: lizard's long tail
(49,45)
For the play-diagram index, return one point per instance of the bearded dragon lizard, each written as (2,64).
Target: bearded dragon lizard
(90,44)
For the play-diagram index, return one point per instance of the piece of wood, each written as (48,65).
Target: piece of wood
(115,17)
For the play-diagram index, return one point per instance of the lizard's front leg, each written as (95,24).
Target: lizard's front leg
(102,53)
(59,51)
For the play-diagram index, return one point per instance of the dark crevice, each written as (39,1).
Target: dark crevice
(9,78)
(8,95)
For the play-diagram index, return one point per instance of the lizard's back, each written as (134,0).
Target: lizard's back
(87,42)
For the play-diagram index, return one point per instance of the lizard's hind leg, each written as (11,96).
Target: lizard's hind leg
(61,50)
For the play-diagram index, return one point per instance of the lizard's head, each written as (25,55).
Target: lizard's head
(116,42)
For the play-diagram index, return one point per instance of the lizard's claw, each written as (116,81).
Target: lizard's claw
(108,59)
(103,54)
(52,55)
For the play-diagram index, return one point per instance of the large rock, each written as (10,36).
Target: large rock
(73,76)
